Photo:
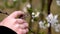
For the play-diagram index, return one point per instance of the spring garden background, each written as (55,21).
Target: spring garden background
(43,16)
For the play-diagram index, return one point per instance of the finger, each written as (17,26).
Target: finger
(16,14)
(26,25)
(27,30)
(23,31)
(22,26)
(20,21)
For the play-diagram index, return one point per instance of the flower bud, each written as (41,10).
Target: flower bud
(28,5)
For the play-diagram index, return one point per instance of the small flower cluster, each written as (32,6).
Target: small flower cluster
(43,25)
(50,19)
(26,7)
(35,15)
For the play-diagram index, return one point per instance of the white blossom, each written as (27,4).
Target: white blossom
(24,9)
(28,5)
(37,14)
(57,28)
(41,25)
(49,17)
(58,2)
(32,20)
(47,25)
(52,19)
(33,14)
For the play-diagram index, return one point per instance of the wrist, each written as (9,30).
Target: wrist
(2,24)
(6,30)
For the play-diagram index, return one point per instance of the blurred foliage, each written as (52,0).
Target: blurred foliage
(24,1)
(7,7)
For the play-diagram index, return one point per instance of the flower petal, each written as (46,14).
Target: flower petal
(50,16)
(56,16)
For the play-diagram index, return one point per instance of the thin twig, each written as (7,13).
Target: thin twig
(4,12)
(48,9)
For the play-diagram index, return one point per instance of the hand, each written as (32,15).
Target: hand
(20,26)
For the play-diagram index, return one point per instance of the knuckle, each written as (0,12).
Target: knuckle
(16,12)
(15,21)
(22,26)
(21,20)
(27,30)
(24,30)
(26,24)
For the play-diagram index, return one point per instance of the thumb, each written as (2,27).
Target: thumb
(16,14)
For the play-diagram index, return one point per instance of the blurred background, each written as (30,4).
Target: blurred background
(32,7)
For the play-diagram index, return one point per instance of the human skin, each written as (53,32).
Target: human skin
(20,26)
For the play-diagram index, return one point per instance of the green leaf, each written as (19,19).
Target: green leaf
(30,10)
(35,19)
